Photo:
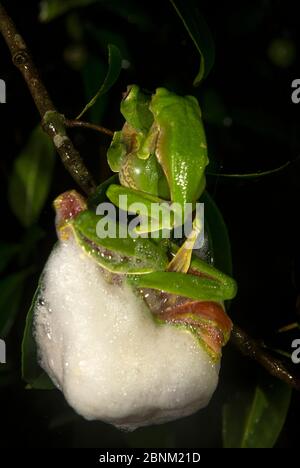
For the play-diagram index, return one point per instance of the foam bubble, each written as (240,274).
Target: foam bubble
(100,345)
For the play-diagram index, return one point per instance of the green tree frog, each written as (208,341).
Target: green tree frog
(160,154)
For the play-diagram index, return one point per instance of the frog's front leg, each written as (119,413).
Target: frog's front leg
(155,213)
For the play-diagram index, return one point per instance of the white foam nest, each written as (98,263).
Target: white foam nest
(101,347)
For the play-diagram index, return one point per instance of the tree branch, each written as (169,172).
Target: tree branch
(52,121)
(80,123)
(251,348)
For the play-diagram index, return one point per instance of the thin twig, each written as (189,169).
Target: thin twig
(52,121)
(80,123)
(251,348)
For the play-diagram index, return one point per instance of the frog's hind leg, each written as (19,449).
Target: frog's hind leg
(181,261)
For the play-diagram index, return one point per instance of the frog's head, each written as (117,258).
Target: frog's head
(135,109)
(164,98)
(138,120)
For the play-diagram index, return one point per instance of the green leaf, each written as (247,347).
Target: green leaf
(31,177)
(43,382)
(93,73)
(51,9)
(254,418)
(31,371)
(252,175)
(29,243)
(7,253)
(114,68)
(11,288)
(218,235)
(200,34)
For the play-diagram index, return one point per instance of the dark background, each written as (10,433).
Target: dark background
(251,124)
